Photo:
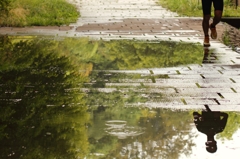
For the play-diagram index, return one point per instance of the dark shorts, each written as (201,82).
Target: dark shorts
(207,4)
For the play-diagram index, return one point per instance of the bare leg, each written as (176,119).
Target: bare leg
(205,24)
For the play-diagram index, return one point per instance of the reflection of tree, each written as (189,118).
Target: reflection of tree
(126,54)
(42,115)
(230,129)
(166,133)
(97,132)
(4,8)
(169,131)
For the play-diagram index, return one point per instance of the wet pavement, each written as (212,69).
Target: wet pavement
(122,82)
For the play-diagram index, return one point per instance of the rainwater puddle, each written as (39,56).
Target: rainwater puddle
(79,98)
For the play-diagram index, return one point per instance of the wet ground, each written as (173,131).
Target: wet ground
(96,90)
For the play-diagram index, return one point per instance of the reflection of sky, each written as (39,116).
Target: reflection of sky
(227,149)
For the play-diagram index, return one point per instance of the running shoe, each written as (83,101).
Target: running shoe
(213,32)
(206,41)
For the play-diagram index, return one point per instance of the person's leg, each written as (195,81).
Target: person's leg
(205,24)
(218,9)
(206,7)
(217,17)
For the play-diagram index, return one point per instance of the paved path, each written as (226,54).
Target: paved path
(216,84)
(114,19)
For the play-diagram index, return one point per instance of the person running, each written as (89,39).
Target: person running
(218,9)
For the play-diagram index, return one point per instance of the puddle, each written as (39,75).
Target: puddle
(79,98)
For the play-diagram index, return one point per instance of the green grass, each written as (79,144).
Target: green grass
(194,8)
(40,13)
(226,39)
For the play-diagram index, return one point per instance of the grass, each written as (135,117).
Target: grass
(229,37)
(40,13)
(226,39)
(194,7)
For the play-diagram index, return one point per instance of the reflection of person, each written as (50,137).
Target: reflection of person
(209,56)
(205,57)
(218,9)
(210,123)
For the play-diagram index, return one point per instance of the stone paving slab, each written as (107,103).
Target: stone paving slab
(203,91)
(195,107)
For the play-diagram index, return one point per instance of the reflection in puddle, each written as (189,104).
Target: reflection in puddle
(74,98)
(141,131)
(42,115)
(121,129)
(166,133)
(209,56)
(210,123)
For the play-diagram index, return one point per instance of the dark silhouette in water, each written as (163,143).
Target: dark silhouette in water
(210,123)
